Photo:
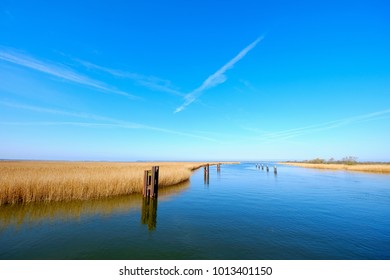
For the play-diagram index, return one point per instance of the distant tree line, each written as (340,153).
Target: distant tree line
(350,160)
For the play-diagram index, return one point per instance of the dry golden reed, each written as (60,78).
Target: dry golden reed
(33,213)
(373,168)
(31,181)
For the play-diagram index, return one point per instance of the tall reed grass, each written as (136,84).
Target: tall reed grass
(367,167)
(31,181)
(16,215)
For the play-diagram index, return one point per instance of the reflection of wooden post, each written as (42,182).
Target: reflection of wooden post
(149,212)
(206,173)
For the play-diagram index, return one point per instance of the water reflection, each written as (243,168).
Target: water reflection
(35,213)
(206,175)
(149,212)
(206,179)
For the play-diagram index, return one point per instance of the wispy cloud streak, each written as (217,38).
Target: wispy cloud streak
(295,132)
(59,71)
(151,82)
(217,78)
(103,121)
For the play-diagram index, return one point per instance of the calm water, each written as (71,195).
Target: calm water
(243,213)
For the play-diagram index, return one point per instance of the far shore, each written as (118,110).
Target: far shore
(36,181)
(383,168)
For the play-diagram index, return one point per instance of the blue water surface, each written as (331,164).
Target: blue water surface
(241,213)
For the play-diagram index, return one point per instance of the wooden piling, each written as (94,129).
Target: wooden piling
(267,168)
(275,170)
(154,185)
(147,181)
(207,169)
(151,182)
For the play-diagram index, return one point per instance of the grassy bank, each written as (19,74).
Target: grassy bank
(362,167)
(33,213)
(33,181)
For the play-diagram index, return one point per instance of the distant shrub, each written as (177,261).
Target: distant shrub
(350,160)
(317,161)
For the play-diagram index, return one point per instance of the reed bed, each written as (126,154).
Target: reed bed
(33,213)
(361,167)
(33,181)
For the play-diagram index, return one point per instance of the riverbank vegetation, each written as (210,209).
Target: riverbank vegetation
(33,181)
(347,163)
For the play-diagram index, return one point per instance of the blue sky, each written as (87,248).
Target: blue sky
(194,80)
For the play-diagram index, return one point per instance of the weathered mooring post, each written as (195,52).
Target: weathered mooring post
(218,167)
(275,170)
(147,182)
(206,173)
(267,168)
(151,182)
(262,167)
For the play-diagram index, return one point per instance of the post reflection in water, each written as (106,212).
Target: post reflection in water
(149,212)
(206,174)
(219,171)
(206,179)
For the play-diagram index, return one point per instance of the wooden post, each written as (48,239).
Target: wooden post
(151,182)
(267,168)
(262,167)
(207,170)
(154,183)
(218,167)
(275,170)
(147,181)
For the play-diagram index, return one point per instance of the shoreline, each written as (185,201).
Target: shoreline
(358,167)
(45,181)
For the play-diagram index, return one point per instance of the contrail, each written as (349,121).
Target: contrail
(108,122)
(58,71)
(150,82)
(295,132)
(217,78)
